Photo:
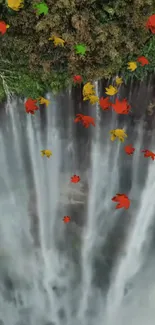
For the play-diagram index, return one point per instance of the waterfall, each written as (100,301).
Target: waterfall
(7,92)
(99,268)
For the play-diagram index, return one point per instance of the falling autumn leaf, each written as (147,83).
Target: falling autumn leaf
(75,179)
(46,153)
(30,106)
(80,49)
(123,201)
(148,154)
(129,149)
(118,81)
(111,90)
(57,41)
(121,107)
(118,133)
(66,219)
(85,120)
(77,79)
(3,27)
(143,60)
(41,8)
(132,65)
(105,103)
(43,100)
(88,90)
(93,99)
(150,24)
(15,4)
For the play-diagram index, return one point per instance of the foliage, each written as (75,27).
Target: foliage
(113,32)
(148,51)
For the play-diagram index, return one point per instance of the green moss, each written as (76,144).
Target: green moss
(140,73)
(113,31)
(2,92)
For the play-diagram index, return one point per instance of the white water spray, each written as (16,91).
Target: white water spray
(51,283)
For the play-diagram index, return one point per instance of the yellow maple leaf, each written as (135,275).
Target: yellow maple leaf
(88,90)
(118,133)
(93,99)
(57,40)
(46,153)
(118,81)
(15,4)
(43,100)
(132,65)
(111,90)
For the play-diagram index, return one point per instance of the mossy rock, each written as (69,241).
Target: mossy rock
(113,31)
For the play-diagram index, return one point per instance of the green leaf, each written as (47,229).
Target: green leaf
(41,8)
(80,49)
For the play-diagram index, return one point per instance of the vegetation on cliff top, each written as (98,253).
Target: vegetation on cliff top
(113,31)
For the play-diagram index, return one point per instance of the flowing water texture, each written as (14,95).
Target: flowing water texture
(99,268)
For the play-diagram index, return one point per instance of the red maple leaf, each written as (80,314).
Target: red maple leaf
(129,149)
(75,179)
(149,153)
(30,106)
(150,24)
(77,79)
(85,120)
(66,219)
(105,103)
(123,201)
(3,27)
(121,107)
(143,60)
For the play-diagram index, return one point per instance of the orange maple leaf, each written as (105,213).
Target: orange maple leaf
(3,27)
(66,219)
(75,179)
(121,107)
(129,149)
(105,103)
(123,201)
(143,60)
(149,153)
(77,79)
(85,120)
(150,24)
(30,106)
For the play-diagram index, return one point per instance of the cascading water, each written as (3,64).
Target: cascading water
(98,269)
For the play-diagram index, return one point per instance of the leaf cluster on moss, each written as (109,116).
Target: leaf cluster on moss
(113,31)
